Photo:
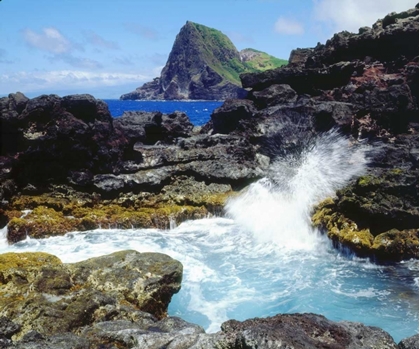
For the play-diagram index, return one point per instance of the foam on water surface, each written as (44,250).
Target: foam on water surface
(265,258)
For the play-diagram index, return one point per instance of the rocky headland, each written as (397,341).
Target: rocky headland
(205,65)
(77,168)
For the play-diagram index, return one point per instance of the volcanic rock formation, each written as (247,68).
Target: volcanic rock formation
(120,301)
(67,157)
(204,64)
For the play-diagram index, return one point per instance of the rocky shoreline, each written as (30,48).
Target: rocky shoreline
(120,301)
(77,168)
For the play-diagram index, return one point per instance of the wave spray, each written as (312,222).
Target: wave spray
(277,208)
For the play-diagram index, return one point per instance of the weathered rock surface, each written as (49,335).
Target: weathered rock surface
(44,295)
(366,85)
(68,155)
(409,343)
(77,168)
(143,331)
(120,301)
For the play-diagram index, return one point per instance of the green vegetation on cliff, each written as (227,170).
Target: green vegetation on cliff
(204,64)
(222,56)
(257,61)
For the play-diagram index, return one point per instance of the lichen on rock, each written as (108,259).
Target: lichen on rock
(42,294)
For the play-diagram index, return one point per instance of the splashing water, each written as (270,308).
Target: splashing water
(266,258)
(277,208)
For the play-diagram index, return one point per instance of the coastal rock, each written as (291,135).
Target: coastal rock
(49,129)
(39,293)
(356,84)
(135,161)
(409,343)
(152,127)
(73,156)
(304,331)
(281,331)
(121,300)
(203,65)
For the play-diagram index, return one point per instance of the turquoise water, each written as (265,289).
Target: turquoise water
(263,257)
(229,274)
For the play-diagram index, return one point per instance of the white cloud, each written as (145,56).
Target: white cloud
(350,15)
(50,40)
(288,26)
(77,62)
(142,31)
(98,41)
(40,81)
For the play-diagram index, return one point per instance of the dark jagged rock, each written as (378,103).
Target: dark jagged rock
(409,343)
(149,127)
(71,146)
(365,84)
(120,301)
(204,65)
(299,331)
(50,129)
(68,154)
(304,331)
(228,117)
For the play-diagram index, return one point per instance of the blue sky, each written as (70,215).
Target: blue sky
(107,48)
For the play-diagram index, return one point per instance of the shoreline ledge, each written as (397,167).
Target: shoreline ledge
(77,168)
(67,157)
(120,300)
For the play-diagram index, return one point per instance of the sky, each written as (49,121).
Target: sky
(108,48)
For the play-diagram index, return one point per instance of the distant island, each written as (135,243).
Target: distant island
(204,64)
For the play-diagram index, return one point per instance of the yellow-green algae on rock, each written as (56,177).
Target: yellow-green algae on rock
(390,245)
(54,215)
(17,271)
(42,294)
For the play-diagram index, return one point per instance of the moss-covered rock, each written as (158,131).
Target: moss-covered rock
(397,245)
(377,216)
(341,230)
(41,222)
(63,209)
(42,294)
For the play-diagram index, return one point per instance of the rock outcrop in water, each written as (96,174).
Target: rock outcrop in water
(119,301)
(204,64)
(44,295)
(366,85)
(77,168)
(66,157)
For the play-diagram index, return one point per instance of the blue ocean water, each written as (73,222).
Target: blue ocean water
(263,256)
(198,111)
(229,274)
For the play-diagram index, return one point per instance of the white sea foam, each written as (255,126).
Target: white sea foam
(3,238)
(266,259)
(277,208)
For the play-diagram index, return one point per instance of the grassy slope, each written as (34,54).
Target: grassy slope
(263,61)
(222,56)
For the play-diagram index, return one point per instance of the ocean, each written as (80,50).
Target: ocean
(198,111)
(262,256)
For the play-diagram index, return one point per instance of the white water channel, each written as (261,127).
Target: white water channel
(264,257)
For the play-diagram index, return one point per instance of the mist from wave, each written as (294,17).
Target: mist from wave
(264,257)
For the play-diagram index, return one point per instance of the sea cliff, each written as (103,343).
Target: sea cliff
(77,168)
(67,157)
(205,65)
